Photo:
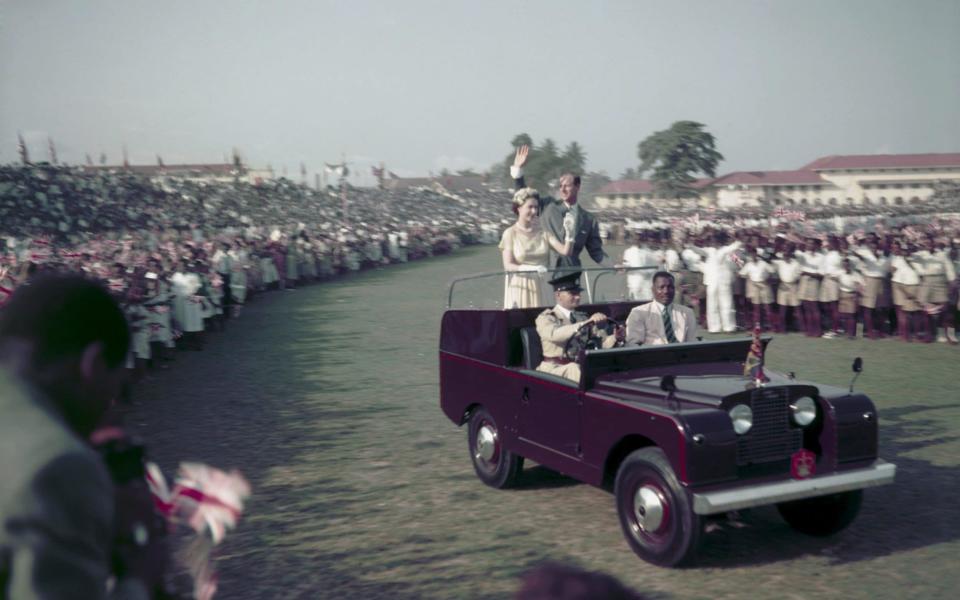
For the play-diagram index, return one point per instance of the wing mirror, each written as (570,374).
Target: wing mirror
(857,369)
(668,383)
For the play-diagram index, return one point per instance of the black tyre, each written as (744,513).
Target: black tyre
(824,515)
(494,465)
(655,511)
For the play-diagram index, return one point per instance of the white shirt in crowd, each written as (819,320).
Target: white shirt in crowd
(788,270)
(810,262)
(757,271)
(640,283)
(850,282)
(831,264)
(903,271)
(718,267)
(871,265)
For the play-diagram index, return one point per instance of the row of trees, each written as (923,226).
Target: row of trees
(546,162)
(675,157)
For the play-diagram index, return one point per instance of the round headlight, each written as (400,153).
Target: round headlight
(804,411)
(742,418)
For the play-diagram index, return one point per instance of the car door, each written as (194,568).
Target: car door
(549,418)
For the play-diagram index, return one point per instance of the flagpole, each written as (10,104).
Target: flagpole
(343,187)
(22,148)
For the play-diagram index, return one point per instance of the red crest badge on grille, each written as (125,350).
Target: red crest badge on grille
(803,464)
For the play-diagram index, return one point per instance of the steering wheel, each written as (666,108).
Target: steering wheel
(581,340)
(585,340)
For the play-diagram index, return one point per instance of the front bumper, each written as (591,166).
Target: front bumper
(710,503)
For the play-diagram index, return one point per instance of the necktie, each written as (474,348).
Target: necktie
(668,325)
(573,317)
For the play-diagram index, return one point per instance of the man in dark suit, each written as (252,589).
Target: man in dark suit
(564,217)
(63,341)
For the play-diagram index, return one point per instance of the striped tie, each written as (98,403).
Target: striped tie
(668,325)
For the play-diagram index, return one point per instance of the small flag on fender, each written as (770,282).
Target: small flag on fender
(753,366)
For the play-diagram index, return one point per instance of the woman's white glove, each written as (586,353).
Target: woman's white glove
(568,226)
(538,269)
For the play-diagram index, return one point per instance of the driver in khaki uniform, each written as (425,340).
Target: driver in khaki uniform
(556,326)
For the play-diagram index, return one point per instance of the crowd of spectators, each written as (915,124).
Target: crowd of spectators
(183,256)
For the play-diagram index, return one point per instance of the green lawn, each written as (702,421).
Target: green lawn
(327,398)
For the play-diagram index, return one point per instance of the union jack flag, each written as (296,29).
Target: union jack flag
(210,502)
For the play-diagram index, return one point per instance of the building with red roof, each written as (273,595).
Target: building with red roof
(871,179)
(630,193)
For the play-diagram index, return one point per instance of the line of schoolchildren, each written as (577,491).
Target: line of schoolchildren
(886,284)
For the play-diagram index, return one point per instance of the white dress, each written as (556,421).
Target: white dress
(159,316)
(238,276)
(187,305)
(526,289)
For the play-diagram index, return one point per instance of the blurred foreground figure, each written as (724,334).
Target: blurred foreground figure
(563,582)
(63,341)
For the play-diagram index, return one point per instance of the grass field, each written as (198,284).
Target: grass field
(327,398)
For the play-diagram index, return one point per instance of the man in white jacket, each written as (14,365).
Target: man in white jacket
(718,277)
(661,321)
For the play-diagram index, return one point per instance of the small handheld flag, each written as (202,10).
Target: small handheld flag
(753,366)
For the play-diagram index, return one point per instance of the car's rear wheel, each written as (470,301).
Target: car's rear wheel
(655,511)
(495,466)
(824,515)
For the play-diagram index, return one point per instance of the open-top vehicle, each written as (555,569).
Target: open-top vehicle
(677,431)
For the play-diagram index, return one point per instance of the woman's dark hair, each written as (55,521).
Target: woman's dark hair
(62,315)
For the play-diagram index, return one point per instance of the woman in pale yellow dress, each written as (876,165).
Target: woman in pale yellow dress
(526,254)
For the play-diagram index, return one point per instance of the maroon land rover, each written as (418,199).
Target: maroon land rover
(678,432)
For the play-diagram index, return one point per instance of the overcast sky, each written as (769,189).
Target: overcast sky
(426,85)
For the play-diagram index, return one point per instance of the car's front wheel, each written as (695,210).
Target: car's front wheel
(824,515)
(655,511)
(495,466)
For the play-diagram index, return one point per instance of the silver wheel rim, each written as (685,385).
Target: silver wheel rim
(486,446)
(648,508)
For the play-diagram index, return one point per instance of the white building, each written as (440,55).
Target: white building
(635,193)
(881,179)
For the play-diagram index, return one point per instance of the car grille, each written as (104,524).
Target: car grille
(771,438)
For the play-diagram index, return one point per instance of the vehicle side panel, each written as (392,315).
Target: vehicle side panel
(851,432)
(547,410)
(551,426)
(465,382)
(608,420)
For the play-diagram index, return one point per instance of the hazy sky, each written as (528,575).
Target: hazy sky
(426,85)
